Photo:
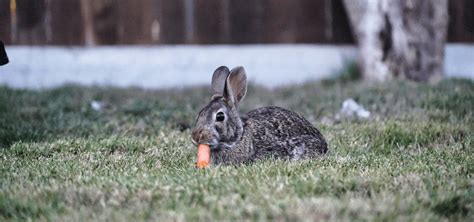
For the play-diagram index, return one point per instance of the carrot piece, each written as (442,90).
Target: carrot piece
(203,156)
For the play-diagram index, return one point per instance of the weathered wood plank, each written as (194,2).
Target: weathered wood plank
(135,20)
(30,26)
(65,23)
(210,21)
(246,21)
(5,30)
(172,22)
(311,21)
(279,22)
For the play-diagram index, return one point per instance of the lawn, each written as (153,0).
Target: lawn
(133,159)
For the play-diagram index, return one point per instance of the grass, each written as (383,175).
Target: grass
(62,160)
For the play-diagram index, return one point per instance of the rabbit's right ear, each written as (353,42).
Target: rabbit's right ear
(236,86)
(218,81)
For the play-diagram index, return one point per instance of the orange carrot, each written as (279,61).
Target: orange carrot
(203,156)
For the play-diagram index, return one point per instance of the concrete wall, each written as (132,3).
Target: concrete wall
(177,66)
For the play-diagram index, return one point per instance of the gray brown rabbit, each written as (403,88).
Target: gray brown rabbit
(268,132)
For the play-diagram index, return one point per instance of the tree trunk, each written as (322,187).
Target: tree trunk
(402,38)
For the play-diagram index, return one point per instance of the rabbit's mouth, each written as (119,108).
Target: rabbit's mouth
(213,143)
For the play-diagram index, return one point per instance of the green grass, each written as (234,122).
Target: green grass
(61,160)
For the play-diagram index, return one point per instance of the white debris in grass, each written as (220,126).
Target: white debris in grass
(351,108)
(96,105)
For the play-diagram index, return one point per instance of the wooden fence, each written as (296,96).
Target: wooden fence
(109,22)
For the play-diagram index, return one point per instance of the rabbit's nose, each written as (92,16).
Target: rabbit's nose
(200,136)
(197,135)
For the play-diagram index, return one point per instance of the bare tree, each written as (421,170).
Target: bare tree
(402,38)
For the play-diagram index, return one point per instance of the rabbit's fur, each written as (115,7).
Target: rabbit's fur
(262,133)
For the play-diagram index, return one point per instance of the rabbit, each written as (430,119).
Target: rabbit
(268,132)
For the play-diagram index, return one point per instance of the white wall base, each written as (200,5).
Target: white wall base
(177,66)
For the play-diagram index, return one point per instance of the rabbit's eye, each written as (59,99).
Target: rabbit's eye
(220,117)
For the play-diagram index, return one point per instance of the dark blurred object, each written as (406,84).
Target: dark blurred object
(3,54)
(5,22)
(30,12)
(461,21)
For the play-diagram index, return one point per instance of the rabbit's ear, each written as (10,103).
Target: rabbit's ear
(236,85)
(218,81)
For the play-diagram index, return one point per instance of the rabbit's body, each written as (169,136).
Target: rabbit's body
(269,132)
(273,132)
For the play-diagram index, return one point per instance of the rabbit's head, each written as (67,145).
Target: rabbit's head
(218,124)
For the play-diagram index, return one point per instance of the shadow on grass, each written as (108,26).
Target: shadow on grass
(455,206)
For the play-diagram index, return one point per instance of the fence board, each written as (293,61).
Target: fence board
(65,31)
(461,21)
(311,21)
(105,14)
(172,22)
(279,23)
(31,27)
(210,22)
(341,31)
(138,29)
(5,31)
(246,21)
